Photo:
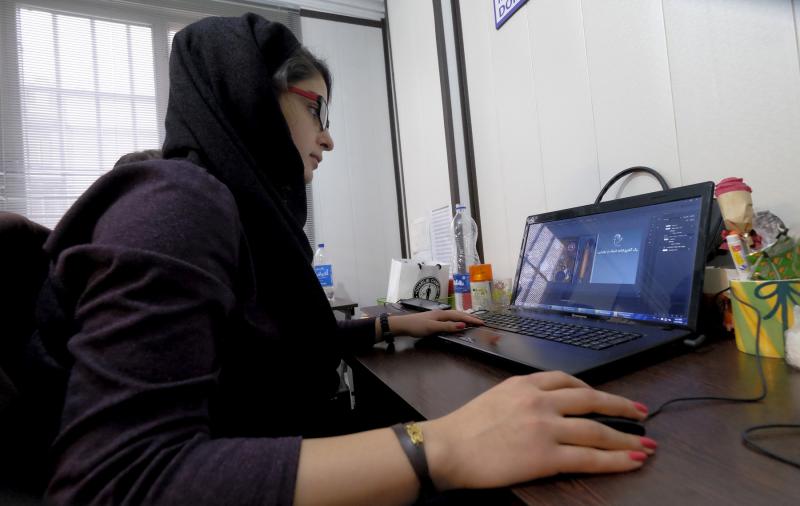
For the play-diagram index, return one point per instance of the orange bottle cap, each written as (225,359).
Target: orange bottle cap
(480,272)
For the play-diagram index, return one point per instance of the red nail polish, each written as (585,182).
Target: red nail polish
(638,456)
(649,443)
(461,325)
(641,407)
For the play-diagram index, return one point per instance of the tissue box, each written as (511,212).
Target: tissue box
(408,279)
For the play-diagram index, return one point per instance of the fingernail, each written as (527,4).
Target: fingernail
(641,407)
(638,456)
(648,443)
(461,325)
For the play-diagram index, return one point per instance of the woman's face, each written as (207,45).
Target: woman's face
(302,116)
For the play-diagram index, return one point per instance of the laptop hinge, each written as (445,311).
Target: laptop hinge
(617,319)
(613,319)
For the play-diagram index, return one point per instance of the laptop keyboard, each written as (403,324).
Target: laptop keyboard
(577,335)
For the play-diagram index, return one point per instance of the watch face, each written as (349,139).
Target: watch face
(427,288)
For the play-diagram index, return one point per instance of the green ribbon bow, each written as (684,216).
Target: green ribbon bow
(783,293)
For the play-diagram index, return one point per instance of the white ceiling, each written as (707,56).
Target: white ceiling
(366,9)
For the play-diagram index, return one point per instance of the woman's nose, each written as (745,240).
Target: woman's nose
(326,141)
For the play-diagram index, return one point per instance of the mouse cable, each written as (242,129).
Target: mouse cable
(747,441)
(757,398)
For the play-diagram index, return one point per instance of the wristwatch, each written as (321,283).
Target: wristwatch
(386,334)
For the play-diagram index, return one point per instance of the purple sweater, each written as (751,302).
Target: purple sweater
(178,390)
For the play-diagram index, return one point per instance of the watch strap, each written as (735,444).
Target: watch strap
(412,441)
(386,333)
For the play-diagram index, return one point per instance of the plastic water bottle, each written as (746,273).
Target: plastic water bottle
(324,269)
(465,237)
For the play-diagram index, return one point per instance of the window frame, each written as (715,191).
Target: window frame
(12,110)
(150,13)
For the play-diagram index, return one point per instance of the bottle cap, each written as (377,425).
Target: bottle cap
(480,272)
(321,245)
(460,206)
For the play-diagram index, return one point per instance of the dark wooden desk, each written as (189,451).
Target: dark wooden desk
(700,459)
(347,307)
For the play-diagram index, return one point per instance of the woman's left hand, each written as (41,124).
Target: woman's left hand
(431,322)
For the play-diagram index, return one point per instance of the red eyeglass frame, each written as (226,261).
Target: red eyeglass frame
(322,105)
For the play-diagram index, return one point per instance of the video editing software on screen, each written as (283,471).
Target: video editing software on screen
(634,263)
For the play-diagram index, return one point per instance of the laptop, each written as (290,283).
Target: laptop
(602,283)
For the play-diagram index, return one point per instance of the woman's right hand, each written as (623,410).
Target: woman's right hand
(517,431)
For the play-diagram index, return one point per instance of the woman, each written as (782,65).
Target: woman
(199,347)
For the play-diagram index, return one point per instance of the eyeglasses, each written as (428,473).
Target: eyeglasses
(321,111)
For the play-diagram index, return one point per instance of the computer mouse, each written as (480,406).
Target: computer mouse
(627,425)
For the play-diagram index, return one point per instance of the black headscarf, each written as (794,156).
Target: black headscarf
(224,115)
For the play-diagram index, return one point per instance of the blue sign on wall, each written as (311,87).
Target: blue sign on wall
(503,9)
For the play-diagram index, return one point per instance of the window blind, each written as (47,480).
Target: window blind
(83,82)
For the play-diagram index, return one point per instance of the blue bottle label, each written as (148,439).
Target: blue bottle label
(461,283)
(324,274)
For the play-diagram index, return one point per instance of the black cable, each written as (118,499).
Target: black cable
(760,449)
(631,170)
(757,398)
(746,440)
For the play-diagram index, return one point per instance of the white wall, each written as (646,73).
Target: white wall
(419,106)
(569,92)
(355,202)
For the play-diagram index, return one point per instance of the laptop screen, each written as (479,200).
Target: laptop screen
(633,263)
